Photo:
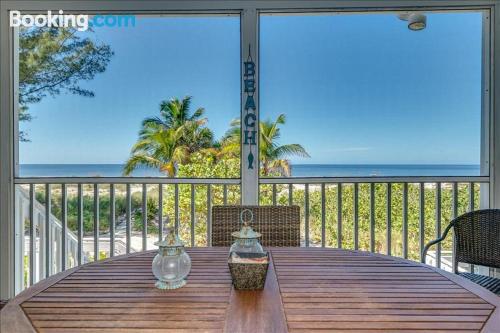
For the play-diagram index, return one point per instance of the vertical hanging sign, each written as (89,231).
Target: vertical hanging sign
(250,117)
(249,112)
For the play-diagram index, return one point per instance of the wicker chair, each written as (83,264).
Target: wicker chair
(477,241)
(279,225)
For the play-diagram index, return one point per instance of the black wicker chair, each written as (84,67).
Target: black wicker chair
(477,242)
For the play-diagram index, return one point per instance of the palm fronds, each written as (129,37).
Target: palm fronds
(167,140)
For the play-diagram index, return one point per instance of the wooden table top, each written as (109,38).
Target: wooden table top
(307,290)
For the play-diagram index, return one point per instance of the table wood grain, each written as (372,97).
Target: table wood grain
(307,290)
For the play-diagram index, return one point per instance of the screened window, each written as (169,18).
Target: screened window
(365,95)
(85,97)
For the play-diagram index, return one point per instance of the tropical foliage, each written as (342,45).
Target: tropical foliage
(159,148)
(169,140)
(231,194)
(180,138)
(272,155)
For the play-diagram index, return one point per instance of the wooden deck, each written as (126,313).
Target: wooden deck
(307,290)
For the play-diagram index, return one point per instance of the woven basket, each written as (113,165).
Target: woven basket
(249,276)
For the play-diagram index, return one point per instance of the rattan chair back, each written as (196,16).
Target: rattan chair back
(279,225)
(477,238)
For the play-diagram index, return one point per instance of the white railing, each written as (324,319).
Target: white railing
(335,209)
(103,217)
(47,240)
(75,233)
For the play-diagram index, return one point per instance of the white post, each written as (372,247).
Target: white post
(7,197)
(19,241)
(495,112)
(42,250)
(249,107)
(486,116)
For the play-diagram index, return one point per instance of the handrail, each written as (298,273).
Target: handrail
(237,181)
(125,180)
(376,179)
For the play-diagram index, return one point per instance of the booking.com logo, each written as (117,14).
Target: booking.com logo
(80,22)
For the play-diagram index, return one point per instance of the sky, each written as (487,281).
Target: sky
(355,89)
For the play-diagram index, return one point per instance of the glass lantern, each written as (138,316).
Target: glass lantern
(172,264)
(246,240)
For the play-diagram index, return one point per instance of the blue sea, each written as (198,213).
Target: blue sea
(298,170)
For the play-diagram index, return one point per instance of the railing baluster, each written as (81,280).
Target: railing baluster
(176,207)
(112,219)
(471,208)
(96,222)
(290,194)
(306,214)
(454,216)
(57,238)
(405,220)
(32,235)
(192,213)
(80,224)
(48,214)
(224,194)
(438,223)
(455,200)
(128,218)
(421,219)
(339,215)
(40,267)
(389,219)
(372,217)
(323,215)
(144,217)
(471,197)
(356,216)
(64,222)
(160,212)
(274,194)
(209,215)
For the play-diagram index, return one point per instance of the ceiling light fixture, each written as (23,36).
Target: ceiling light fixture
(416,21)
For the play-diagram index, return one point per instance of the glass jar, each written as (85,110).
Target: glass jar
(246,240)
(172,264)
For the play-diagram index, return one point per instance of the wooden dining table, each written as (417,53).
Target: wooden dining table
(307,290)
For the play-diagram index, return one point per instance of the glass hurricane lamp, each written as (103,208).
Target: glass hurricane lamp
(172,264)
(246,239)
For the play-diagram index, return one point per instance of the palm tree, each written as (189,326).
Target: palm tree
(273,157)
(174,113)
(196,137)
(158,148)
(170,139)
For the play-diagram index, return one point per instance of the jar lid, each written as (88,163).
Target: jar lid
(172,240)
(246,232)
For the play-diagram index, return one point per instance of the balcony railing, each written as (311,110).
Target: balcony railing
(93,218)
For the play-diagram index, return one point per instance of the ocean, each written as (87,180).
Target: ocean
(298,170)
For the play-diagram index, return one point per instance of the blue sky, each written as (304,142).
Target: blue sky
(354,88)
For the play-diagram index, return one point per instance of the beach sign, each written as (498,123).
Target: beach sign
(250,118)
